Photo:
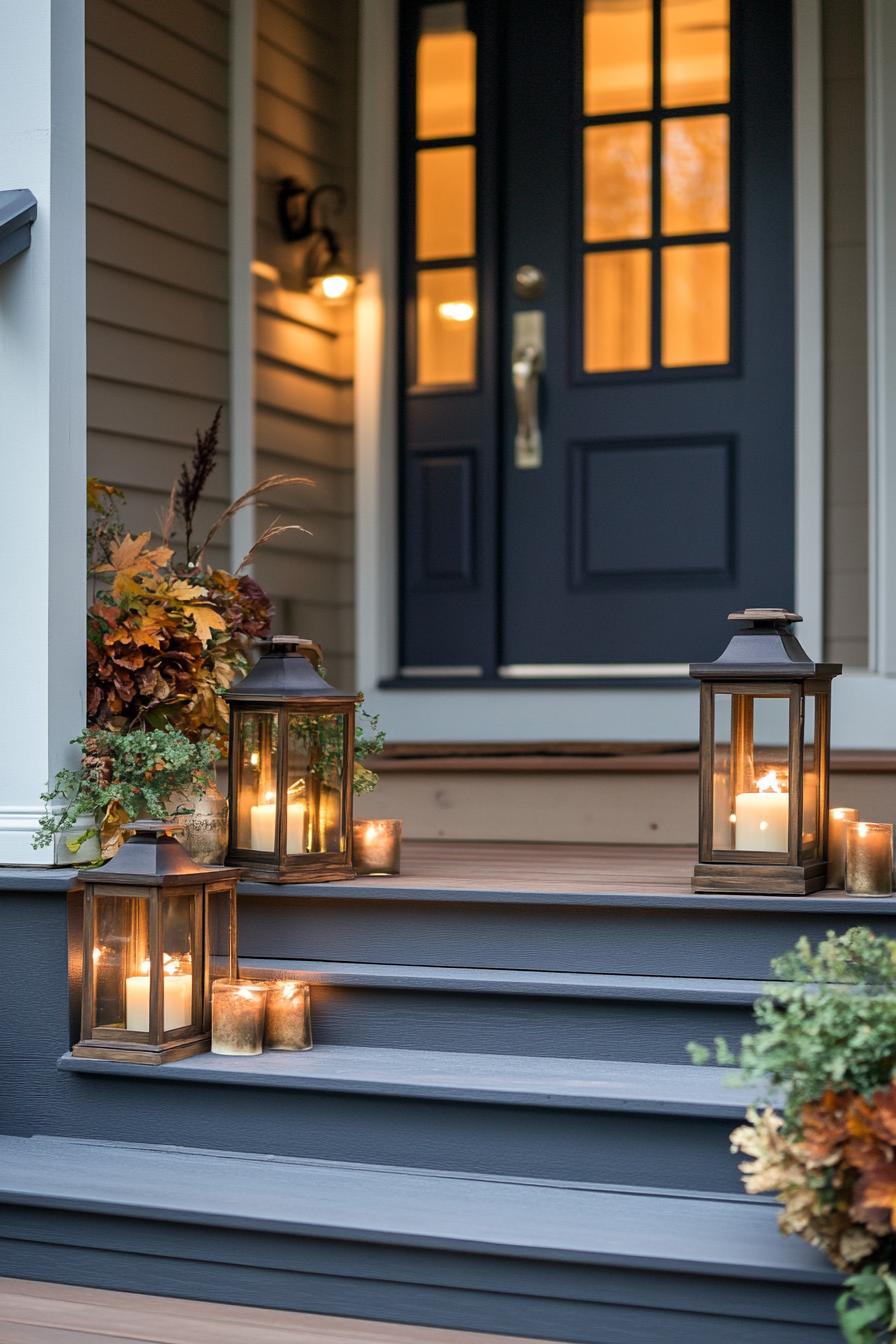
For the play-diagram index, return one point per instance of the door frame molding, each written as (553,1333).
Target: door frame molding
(632,713)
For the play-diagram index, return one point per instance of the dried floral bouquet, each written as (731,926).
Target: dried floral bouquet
(825,1144)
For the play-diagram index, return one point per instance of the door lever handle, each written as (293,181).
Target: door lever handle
(527,364)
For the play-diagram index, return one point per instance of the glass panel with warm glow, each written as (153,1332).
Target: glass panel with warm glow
(446,326)
(617,181)
(695,174)
(446,223)
(446,83)
(617,311)
(695,304)
(618,56)
(696,64)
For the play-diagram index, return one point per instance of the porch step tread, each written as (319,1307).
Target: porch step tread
(548,984)
(513,1080)
(402,1207)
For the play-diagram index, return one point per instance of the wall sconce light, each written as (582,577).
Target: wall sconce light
(300,209)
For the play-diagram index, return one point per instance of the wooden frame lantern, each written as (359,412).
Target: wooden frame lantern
(292,749)
(158,929)
(764,761)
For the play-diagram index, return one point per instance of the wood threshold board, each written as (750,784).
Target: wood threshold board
(661,758)
(53,1313)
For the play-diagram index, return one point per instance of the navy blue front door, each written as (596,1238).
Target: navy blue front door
(599,208)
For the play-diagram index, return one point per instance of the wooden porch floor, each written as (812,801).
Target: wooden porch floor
(457,865)
(53,1313)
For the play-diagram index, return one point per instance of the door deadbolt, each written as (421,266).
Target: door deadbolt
(528,282)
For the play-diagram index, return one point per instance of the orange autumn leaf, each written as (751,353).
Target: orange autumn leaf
(205,620)
(130,557)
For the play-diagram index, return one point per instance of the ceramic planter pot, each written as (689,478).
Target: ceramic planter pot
(79,843)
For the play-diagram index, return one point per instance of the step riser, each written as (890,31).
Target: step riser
(661,940)
(577,1304)
(650,1031)
(654,1149)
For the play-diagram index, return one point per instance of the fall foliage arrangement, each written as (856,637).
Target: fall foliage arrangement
(167,634)
(825,1142)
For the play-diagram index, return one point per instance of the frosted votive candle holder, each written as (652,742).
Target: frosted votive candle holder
(288,1016)
(839,819)
(869,858)
(376,848)
(238,1017)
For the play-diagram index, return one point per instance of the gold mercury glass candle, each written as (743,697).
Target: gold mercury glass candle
(869,858)
(376,848)
(238,1017)
(839,818)
(288,1016)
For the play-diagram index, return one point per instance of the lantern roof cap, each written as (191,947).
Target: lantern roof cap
(153,856)
(288,669)
(765,649)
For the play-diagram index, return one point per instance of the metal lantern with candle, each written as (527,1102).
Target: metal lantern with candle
(292,740)
(764,761)
(158,930)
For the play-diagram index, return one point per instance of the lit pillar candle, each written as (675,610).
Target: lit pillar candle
(761,818)
(238,1008)
(869,858)
(287,1024)
(376,848)
(177,999)
(263,818)
(839,820)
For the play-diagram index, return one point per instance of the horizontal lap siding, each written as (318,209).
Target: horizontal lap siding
(157,243)
(304,113)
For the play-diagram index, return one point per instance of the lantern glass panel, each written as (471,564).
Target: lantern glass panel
(750,772)
(256,780)
(120,958)
(809,843)
(219,934)
(178,959)
(315,784)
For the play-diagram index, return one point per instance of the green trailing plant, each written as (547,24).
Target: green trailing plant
(123,776)
(827,1021)
(866,1308)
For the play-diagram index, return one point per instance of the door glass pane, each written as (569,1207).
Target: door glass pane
(314,772)
(695,174)
(617,310)
(618,75)
(446,326)
(617,181)
(695,52)
(695,304)
(446,74)
(446,225)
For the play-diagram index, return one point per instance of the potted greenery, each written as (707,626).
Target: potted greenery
(824,1055)
(122,777)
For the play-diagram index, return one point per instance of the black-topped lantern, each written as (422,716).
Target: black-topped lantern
(292,740)
(764,761)
(158,929)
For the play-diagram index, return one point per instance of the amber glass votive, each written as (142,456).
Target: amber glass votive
(376,848)
(288,1016)
(869,858)
(238,1017)
(839,819)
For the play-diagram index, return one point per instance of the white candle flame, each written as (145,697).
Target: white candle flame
(769,783)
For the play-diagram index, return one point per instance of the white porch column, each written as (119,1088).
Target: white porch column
(42,412)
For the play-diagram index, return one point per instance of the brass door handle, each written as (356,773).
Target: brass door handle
(527,365)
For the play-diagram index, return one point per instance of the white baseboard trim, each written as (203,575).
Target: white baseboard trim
(18,825)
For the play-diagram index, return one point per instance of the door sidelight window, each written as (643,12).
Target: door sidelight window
(656,214)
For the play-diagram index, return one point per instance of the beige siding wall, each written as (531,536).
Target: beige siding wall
(305,115)
(157,290)
(846,347)
(157,162)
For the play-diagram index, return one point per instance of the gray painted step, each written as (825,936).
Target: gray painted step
(624,934)
(566,1262)
(567,1119)
(538,1013)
